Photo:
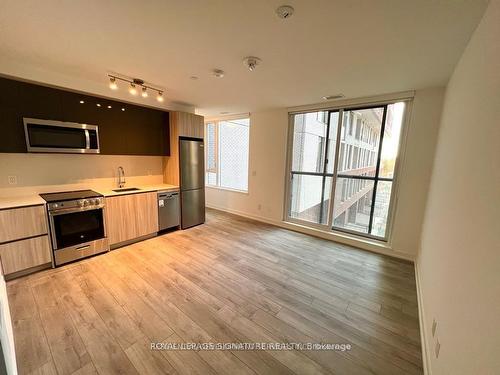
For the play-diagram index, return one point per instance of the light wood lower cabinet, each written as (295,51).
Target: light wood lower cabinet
(131,216)
(17,223)
(23,254)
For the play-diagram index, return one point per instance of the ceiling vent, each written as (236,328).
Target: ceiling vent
(333,97)
(285,11)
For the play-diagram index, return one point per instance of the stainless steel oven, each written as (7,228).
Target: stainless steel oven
(77,226)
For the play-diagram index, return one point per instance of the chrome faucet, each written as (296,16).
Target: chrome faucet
(121,177)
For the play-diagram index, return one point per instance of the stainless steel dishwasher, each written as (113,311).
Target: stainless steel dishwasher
(168,209)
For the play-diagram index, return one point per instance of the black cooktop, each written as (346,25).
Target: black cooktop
(69,195)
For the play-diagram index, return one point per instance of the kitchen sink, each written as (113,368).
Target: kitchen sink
(125,189)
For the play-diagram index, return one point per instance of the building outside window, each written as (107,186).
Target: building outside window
(227,153)
(363,152)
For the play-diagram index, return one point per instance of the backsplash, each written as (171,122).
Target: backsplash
(37,173)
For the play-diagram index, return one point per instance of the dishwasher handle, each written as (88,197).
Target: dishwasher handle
(167,195)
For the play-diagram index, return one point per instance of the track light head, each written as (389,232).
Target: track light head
(112,83)
(159,97)
(132,90)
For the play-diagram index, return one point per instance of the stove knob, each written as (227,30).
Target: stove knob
(85,202)
(80,203)
(55,205)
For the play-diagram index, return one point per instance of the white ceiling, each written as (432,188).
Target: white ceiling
(354,47)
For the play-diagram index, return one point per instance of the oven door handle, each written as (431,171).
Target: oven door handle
(73,210)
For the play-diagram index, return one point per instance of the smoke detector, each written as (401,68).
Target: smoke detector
(251,62)
(285,11)
(218,73)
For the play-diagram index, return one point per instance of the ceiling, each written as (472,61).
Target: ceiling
(354,47)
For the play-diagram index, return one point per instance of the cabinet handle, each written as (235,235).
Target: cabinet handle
(82,247)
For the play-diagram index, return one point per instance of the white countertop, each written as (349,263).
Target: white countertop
(20,201)
(35,199)
(143,189)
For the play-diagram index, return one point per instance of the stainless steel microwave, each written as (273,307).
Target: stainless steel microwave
(59,136)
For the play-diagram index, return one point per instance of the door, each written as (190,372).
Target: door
(193,207)
(192,163)
(77,227)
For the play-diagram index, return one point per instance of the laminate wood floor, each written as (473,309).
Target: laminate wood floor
(231,280)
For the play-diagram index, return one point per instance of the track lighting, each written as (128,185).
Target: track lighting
(112,83)
(132,90)
(135,84)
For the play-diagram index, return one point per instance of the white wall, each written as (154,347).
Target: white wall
(268,143)
(268,133)
(416,169)
(459,261)
(53,172)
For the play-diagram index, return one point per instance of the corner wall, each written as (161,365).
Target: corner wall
(459,261)
(267,166)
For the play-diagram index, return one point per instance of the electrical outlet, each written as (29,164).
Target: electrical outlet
(12,180)
(434,327)
(438,348)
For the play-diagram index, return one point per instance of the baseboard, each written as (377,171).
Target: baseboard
(423,328)
(132,241)
(28,271)
(363,245)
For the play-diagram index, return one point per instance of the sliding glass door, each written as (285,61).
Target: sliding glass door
(348,154)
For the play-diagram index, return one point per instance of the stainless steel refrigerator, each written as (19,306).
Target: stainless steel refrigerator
(192,181)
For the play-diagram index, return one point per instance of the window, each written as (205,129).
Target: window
(226,149)
(362,144)
(311,174)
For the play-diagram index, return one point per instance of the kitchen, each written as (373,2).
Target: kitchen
(53,219)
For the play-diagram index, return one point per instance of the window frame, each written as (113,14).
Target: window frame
(323,173)
(387,239)
(216,170)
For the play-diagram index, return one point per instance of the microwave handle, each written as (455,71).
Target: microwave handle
(87,138)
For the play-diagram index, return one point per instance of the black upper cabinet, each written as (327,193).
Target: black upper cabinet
(135,130)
